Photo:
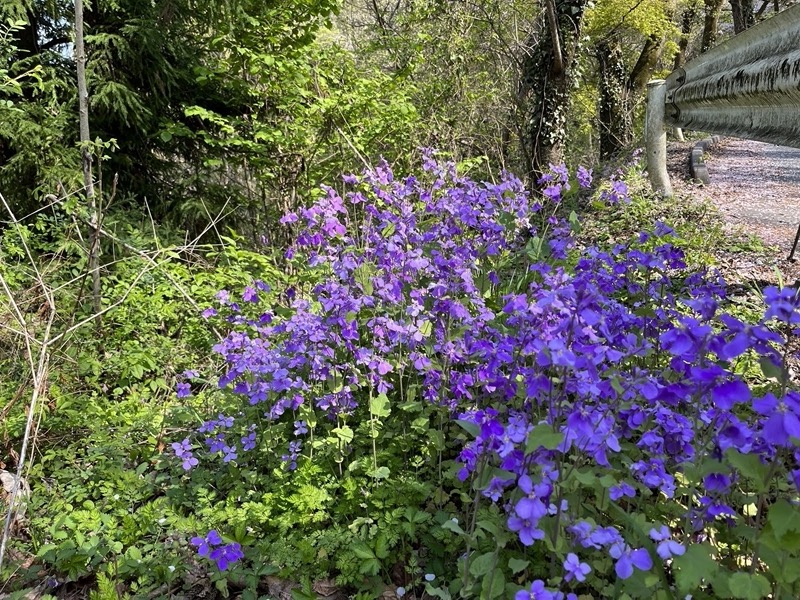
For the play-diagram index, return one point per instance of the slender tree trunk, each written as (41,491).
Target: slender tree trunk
(620,90)
(687,24)
(614,121)
(710,23)
(86,156)
(743,17)
(546,82)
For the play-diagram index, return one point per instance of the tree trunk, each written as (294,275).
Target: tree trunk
(546,81)
(710,23)
(619,90)
(86,156)
(743,17)
(687,24)
(614,122)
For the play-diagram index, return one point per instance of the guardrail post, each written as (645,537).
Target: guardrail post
(655,135)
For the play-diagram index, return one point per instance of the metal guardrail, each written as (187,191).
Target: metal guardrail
(747,87)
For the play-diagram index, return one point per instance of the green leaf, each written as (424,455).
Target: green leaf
(344,433)
(389,230)
(784,518)
(380,473)
(379,406)
(442,593)
(381,546)
(749,586)
(361,550)
(497,582)
(371,566)
(483,564)
(543,436)
(453,526)
(133,553)
(771,370)
(425,328)
(517,565)
(750,467)
(470,427)
(693,567)
(363,277)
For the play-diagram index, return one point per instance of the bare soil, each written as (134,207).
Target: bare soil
(756,188)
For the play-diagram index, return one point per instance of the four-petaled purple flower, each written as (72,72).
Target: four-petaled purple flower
(667,547)
(575,569)
(627,559)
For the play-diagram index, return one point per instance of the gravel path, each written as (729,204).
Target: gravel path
(756,187)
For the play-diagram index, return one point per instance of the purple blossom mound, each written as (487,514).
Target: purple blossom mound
(600,391)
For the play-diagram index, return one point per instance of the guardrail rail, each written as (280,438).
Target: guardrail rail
(746,87)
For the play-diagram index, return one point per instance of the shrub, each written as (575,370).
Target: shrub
(577,420)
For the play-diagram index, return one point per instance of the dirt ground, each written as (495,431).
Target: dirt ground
(756,188)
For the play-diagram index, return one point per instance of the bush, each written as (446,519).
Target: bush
(591,433)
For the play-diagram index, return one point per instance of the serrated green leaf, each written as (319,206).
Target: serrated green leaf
(361,550)
(425,328)
(371,566)
(693,567)
(784,517)
(379,406)
(748,586)
(389,230)
(344,433)
(381,546)
(380,473)
(442,593)
(363,277)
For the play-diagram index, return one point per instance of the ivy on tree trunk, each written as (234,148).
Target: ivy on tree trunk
(546,81)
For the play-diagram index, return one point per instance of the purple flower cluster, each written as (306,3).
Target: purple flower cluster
(183,450)
(614,361)
(215,549)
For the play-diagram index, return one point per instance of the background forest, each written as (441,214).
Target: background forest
(136,311)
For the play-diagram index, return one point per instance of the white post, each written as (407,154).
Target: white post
(655,135)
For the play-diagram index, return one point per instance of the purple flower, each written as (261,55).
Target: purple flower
(584,177)
(183,450)
(183,390)
(250,294)
(781,418)
(667,547)
(537,591)
(628,558)
(226,555)
(615,492)
(575,569)
(729,393)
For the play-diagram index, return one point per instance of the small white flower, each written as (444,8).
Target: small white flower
(455,520)
(162,520)
(401,591)
(116,496)
(171,568)
(429,576)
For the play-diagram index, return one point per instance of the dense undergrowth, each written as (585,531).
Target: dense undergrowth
(459,391)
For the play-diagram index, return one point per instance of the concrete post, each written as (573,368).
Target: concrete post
(655,136)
